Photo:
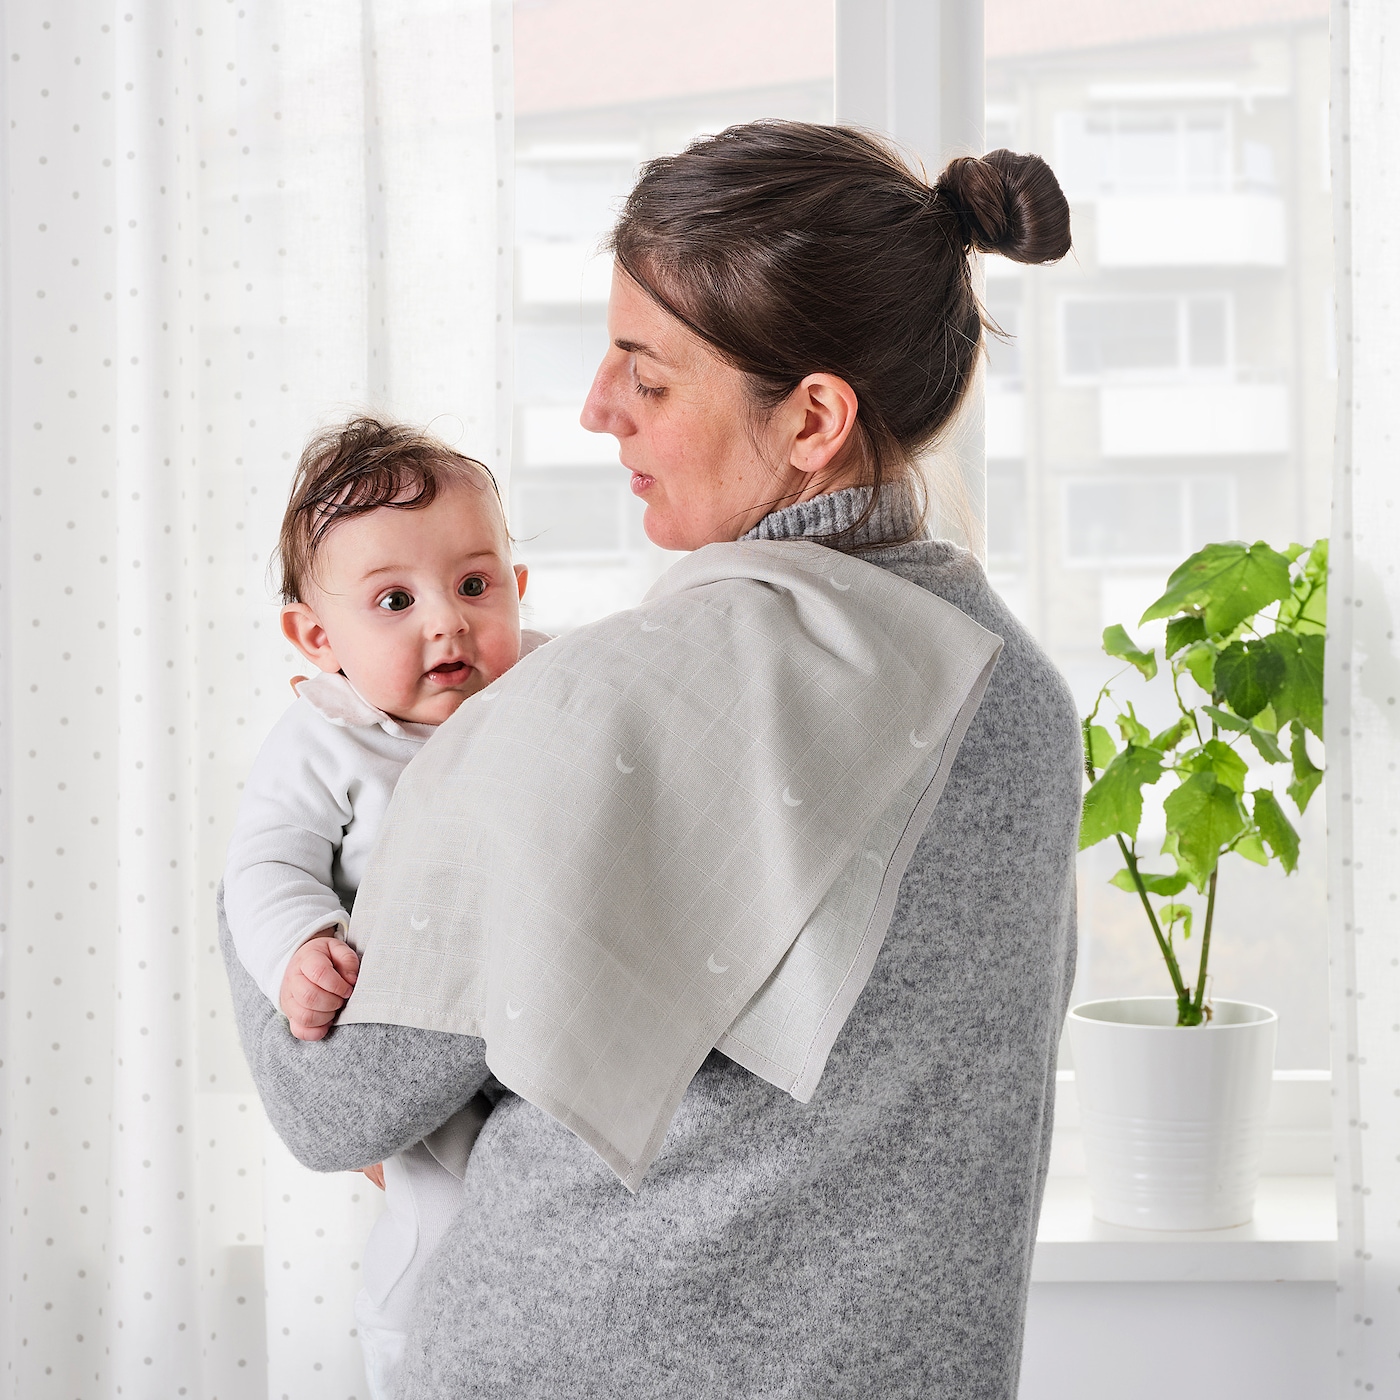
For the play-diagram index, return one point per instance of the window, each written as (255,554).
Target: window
(1144,336)
(582,129)
(1169,384)
(1130,151)
(1144,520)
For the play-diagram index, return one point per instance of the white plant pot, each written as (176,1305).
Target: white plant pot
(1173,1116)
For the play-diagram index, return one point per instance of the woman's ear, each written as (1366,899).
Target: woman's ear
(522,577)
(824,411)
(302,628)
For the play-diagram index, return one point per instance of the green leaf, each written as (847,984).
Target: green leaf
(1306,776)
(1224,584)
(1116,642)
(1226,720)
(1260,738)
(1251,848)
(1173,914)
(1182,631)
(1100,745)
(1276,829)
(1266,745)
(1203,815)
(1133,730)
(1250,675)
(1219,758)
(1299,696)
(1168,739)
(1199,662)
(1114,803)
(1306,610)
(1153,884)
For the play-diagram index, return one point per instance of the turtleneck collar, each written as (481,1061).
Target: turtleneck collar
(895,518)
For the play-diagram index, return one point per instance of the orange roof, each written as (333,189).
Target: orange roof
(1017,28)
(571,54)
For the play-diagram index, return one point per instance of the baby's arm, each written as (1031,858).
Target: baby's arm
(317,983)
(278,881)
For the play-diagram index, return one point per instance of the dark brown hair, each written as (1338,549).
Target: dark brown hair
(793,248)
(361,466)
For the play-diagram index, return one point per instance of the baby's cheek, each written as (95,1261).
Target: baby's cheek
(500,651)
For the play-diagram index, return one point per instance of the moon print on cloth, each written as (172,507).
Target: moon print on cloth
(624,768)
(650,626)
(418,924)
(917,742)
(789,800)
(512,1010)
(838,585)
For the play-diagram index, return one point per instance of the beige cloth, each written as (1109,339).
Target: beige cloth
(680,827)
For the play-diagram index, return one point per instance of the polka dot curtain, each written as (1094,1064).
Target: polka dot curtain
(224,223)
(1363,689)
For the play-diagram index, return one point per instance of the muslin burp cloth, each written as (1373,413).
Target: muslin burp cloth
(678,828)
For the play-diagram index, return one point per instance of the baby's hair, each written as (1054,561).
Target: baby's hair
(360,466)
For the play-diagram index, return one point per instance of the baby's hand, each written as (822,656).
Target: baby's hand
(319,978)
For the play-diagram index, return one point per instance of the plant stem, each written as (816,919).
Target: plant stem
(1183,996)
(1187,710)
(1205,950)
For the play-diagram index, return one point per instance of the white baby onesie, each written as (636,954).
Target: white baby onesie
(307,822)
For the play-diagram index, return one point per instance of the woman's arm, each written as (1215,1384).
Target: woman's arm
(361,1094)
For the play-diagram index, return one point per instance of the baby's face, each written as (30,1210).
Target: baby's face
(419,608)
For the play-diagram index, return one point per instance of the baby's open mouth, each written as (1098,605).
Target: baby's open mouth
(448,671)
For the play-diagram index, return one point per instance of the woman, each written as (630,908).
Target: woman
(792,322)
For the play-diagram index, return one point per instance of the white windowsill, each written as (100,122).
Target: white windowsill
(1292,1238)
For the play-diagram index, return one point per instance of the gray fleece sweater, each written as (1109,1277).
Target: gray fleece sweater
(874,1242)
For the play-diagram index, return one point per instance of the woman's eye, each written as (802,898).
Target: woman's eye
(472,586)
(396,600)
(649,391)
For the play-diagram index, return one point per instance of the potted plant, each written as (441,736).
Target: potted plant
(1173,1090)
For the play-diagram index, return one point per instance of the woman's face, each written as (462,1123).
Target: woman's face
(708,468)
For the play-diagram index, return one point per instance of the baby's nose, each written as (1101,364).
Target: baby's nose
(449,619)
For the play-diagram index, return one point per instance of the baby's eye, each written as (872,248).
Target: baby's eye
(396,600)
(473,586)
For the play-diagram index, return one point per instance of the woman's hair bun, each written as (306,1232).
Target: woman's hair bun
(1009,204)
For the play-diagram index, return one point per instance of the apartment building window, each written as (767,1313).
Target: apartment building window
(1132,151)
(1145,336)
(1144,521)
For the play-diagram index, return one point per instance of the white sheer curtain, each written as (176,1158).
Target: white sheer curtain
(1363,694)
(221,226)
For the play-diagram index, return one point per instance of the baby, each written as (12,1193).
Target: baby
(398,586)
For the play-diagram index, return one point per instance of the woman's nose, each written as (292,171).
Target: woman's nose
(602,411)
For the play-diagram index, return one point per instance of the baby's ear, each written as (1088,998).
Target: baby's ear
(302,628)
(522,577)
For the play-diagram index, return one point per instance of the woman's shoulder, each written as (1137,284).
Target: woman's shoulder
(1025,681)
